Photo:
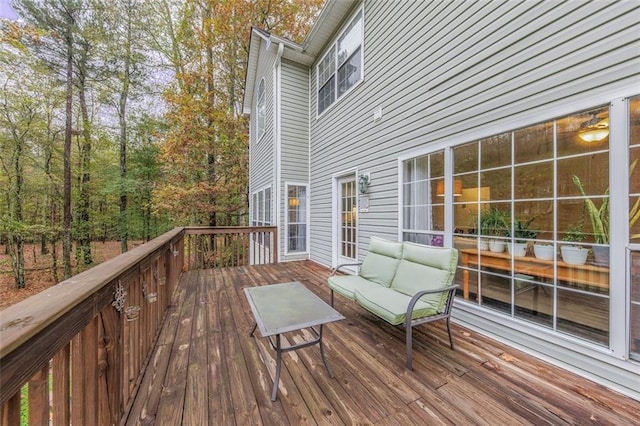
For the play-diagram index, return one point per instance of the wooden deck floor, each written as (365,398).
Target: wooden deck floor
(206,370)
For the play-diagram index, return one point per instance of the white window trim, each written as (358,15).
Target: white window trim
(331,49)
(286,218)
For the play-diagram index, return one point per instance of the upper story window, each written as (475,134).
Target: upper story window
(261,109)
(341,67)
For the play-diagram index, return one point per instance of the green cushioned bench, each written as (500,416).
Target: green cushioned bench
(400,280)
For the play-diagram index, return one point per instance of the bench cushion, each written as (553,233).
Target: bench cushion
(346,285)
(391,305)
(381,261)
(425,268)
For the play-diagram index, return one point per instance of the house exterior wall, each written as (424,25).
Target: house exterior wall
(460,70)
(262,152)
(451,72)
(294,139)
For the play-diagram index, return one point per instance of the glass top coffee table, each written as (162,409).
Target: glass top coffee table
(282,308)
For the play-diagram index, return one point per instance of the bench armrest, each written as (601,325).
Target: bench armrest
(447,309)
(337,268)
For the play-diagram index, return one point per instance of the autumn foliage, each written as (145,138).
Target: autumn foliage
(121,119)
(205,150)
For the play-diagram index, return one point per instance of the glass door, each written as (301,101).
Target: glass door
(347,219)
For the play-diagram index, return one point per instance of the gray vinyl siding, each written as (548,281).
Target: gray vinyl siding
(262,152)
(455,71)
(295,122)
(294,136)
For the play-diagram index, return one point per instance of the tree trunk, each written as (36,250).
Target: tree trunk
(84,225)
(122,115)
(211,156)
(66,227)
(54,242)
(16,238)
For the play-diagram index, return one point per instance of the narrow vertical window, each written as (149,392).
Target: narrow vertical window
(261,109)
(423,199)
(254,218)
(296,218)
(267,207)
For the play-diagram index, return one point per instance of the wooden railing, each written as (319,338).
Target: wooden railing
(74,353)
(207,247)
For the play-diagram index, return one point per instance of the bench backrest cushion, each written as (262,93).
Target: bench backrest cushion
(425,268)
(381,261)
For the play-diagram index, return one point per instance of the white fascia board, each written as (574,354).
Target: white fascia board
(329,20)
(292,50)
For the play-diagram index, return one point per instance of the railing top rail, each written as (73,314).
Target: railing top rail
(191,230)
(22,321)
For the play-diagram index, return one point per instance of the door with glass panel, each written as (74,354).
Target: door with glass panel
(347,219)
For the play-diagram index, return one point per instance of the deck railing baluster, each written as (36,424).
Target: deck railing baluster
(60,370)
(39,397)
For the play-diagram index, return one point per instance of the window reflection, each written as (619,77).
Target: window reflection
(522,214)
(635,305)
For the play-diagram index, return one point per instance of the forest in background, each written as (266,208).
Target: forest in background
(120,119)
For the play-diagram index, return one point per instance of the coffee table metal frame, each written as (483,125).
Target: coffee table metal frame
(270,305)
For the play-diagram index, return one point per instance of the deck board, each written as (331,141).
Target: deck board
(206,369)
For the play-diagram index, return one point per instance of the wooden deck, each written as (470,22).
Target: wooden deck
(206,370)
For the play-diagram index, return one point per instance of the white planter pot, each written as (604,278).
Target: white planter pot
(518,250)
(574,255)
(543,251)
(483,245)
(601,255)
(496,246)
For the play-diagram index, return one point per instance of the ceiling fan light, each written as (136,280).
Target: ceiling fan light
(594,135)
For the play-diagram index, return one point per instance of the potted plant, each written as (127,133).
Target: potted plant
(574,254)
(522,233)
(543,251)
(494,223)
(599,217)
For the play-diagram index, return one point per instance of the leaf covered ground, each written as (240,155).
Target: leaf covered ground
(39,275)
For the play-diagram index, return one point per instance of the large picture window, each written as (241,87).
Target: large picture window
(532,223)
(341,67)
(530,215)
(296,218)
